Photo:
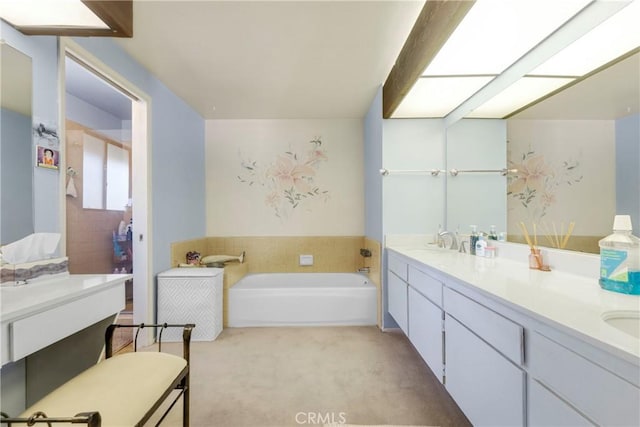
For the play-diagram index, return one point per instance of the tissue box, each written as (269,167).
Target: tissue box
(28,271)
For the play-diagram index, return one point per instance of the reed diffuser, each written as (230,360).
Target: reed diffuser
(535,257)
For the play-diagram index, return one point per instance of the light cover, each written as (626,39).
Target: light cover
(519,94)
(611,39)
(47,13)
(437,96)
(495,33)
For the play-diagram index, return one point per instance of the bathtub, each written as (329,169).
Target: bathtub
(302,299)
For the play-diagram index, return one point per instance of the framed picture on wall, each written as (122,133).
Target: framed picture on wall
(47,157)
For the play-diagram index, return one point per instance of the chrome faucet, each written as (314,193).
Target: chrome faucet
(441,239)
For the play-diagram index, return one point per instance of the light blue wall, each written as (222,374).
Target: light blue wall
(177,154)
(477,198)
(177,143)
(43,51)
(372,165)
(628,169)
(413,203)
(16,218)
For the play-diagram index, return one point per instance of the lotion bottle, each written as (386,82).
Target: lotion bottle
(481,246)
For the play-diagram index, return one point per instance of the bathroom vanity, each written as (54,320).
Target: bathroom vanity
(515,346)
(38,323)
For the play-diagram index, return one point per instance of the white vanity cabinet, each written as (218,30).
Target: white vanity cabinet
(484,351)
(397,299)
(397,276)
(426,319)
(577,388)
(41,313)
(546,409)
(512,356)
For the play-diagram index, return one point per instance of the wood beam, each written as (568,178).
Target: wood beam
(117,14)
(436,22)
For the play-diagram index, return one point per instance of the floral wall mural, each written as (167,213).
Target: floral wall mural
(536,183)
(289,181)
(286,177)
(566,173)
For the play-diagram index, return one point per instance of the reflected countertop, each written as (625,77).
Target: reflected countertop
(569,302)
(24,300)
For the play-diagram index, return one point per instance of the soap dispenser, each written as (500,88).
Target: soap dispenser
(473,239)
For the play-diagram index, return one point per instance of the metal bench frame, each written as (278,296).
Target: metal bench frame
(93,419)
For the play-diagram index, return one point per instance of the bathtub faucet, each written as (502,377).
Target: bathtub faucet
(363,270)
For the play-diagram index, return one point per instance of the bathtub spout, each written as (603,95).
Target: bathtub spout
(364,270)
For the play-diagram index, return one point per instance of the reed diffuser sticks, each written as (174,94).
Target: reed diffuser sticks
(556,240)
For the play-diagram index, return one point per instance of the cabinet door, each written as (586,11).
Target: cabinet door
(548,410)
(397,297)
(425,330)
(488,387)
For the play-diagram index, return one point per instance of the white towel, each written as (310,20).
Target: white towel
(71,188)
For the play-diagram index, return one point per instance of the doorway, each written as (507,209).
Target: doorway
(106,145)
(99,202)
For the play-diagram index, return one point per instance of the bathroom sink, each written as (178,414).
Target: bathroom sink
(625,321)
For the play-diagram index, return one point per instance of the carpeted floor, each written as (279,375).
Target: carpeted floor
(259,377)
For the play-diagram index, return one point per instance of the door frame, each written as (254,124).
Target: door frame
(143,308)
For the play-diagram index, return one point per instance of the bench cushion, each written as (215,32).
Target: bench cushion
(122,388)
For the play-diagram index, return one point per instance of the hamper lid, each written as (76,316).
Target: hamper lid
(192,272)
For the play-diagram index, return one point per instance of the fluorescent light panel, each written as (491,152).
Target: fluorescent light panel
(437,96)
(495,33)
(59,13)
(519,94)
(611,39)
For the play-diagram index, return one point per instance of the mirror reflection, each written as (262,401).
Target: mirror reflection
(16,208)
(577,157)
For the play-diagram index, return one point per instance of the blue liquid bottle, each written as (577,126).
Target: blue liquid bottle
(620,258)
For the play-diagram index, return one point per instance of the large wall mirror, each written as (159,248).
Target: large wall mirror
(16,147)
(577,153)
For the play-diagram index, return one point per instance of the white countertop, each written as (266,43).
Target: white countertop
(566,301)
(23,300)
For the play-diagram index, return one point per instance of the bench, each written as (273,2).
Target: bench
(124,390)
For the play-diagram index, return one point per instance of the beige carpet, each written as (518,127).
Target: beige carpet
(312,376)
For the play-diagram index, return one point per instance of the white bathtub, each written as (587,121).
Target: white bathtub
(302,299)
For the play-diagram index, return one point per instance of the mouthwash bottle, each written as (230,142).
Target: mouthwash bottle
(620,258)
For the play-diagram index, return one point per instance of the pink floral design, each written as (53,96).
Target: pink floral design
(532,173)
(289,180)
(287,173)
(535,183)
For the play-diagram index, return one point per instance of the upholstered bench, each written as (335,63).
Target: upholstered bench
(123,390)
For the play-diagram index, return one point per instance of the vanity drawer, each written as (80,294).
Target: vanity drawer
(426,285)
(398,266)
(35,332)
(599,394)
(503,334)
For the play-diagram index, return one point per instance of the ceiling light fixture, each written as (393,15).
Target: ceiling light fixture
(529,40)
(110,18)
(495,33)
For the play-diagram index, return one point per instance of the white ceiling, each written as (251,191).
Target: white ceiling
(271,60)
